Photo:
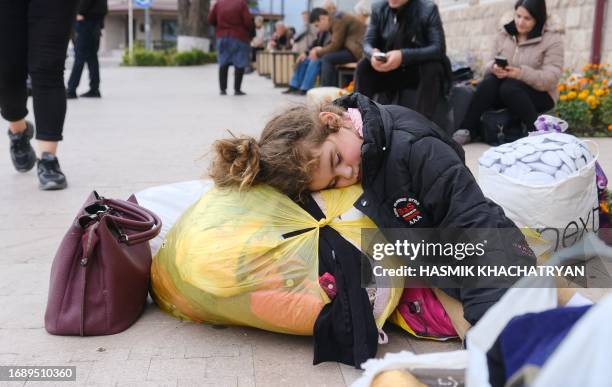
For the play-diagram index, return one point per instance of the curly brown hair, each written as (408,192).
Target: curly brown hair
(282,158)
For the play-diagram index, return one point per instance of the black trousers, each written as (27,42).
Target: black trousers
(329,74)
(426,77)
(521,99)
(33,39)
(86,48)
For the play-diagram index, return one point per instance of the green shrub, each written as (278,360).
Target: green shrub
(577,114)
(193,58)
(606,111)
(169,57)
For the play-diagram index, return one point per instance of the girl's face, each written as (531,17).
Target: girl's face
(524,21)
(339,161)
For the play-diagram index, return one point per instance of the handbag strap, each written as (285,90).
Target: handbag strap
(138,219)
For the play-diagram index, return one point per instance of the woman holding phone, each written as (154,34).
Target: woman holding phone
(523,72)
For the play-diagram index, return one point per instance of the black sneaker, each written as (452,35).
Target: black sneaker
(91,94)
(22,153)
(290,90)
(302,92)
(223,92)
(50,176)
(71,94)
(239,92)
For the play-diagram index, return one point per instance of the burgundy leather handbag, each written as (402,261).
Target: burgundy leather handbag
(100,274)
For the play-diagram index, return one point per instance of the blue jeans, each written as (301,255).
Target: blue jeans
(305,75)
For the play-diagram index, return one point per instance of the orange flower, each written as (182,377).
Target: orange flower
(604,207)
(610,127)
(563,97)
(583,94)
(571,95)
(561,87)
(598,92)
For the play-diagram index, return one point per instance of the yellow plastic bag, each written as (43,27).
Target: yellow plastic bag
(226,260)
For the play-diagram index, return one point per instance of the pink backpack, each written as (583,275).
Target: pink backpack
(420,313)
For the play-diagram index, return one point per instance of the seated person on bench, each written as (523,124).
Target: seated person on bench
(345,45)
(525,84)
(405,48)
(307,70)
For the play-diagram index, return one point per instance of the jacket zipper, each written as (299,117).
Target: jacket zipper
(414,307)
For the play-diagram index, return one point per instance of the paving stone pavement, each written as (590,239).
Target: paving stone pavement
(153,126)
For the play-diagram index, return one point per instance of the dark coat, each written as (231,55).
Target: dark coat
(93,9)
(231,18)
(406,158)
(415,28)
(346,33)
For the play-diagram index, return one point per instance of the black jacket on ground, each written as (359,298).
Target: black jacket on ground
(93,9)
(345,330)
(406,156)
(415,28)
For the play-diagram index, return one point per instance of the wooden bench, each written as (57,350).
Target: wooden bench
(346,73)
(283,65)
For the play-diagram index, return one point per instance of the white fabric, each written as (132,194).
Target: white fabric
(583,357)
(455,360)
(319,95)
(564,207)
(169,202)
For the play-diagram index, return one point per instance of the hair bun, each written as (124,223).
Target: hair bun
(236,162)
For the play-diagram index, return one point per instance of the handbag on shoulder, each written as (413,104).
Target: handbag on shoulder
(100,274)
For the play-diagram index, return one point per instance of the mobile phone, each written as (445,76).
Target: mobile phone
(380,56)
(501,61)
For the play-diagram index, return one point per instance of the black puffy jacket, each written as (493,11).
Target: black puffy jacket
(406,158)
(93,9)
(415,28)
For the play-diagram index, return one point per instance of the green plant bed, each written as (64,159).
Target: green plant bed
(169,57)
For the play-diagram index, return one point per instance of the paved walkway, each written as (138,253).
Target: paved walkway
(153,126)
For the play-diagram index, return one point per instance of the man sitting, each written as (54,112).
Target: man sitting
(345,45)
(307,70)
(405,48)
(281,39)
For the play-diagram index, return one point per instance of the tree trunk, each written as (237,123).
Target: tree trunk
(193,17)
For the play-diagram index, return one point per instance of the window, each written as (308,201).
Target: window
(169,28)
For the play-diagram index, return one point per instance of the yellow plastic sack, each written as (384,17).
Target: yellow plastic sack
(226,260)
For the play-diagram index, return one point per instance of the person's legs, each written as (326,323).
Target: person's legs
(329,75)
(49,23)
(241,62)
(313,70)
(486,97)
(429,90)
(524,101)
(238,74)
(369,81)
(82,53)
(13,75)
(224,60)
(13,66)
(92,62)
(298,74)
(223,70)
